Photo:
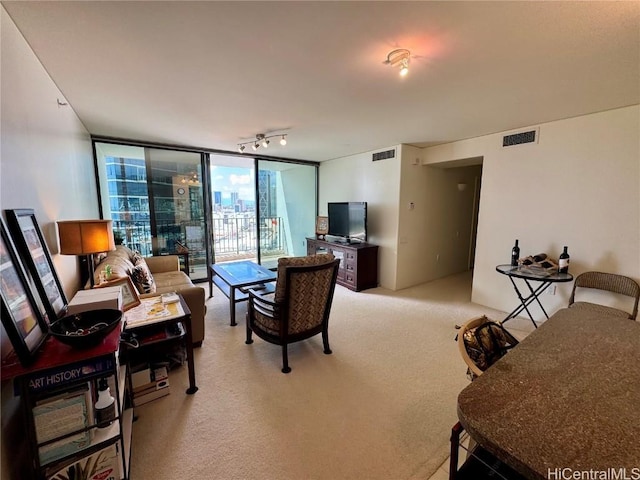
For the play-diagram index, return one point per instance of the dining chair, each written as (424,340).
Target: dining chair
(610,282)
(481,343)
(300,306)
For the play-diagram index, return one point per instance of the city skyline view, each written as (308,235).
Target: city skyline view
(228,180)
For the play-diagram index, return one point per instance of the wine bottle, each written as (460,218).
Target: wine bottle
(563,262)
(515,254)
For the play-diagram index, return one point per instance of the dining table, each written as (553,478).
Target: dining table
(566,399)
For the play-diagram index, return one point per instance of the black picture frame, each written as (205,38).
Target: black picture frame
(21,319)
(35,254)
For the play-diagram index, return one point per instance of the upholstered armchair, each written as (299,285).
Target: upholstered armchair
(300,306)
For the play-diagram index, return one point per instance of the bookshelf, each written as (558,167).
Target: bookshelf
(62,382)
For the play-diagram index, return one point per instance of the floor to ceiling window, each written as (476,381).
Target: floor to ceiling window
(287,209)
(155,198)
(161,203)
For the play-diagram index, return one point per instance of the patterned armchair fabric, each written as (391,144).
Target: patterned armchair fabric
(300,306)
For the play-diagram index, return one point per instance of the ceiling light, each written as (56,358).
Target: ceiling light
(405,67)
(399,58)
(262,140)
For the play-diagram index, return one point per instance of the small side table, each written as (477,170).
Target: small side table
(135,321)
(543,277)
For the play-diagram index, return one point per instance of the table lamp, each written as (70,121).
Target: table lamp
(85,237)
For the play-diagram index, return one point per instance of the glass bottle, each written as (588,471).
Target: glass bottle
(105,408)
(563,262)
(515,254)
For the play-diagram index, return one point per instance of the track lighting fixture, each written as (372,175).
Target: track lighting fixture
(399,58)
(262,140)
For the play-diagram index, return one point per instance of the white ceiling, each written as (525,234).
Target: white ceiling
(212,74)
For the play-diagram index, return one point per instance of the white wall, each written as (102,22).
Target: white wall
(417,245)
(358,179)
(579,186)
(46,164)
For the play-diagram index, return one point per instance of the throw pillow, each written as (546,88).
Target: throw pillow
(136,257)
(142,278)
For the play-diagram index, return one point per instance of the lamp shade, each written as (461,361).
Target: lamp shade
(85,237)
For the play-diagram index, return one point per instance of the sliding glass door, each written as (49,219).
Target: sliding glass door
(233,216)
(176,201)
(261,217)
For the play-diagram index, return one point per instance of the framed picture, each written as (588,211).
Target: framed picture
(322,226)
(130,296)
(33,249)
(21,318)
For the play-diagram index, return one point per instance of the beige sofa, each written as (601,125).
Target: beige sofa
(167,277)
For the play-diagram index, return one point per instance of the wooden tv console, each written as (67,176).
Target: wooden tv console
(358,262)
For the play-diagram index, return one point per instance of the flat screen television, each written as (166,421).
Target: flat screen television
(348,220)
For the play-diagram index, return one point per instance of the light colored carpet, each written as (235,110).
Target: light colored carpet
(381,407)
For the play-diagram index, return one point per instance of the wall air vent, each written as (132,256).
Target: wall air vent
(519,138)
(383,155)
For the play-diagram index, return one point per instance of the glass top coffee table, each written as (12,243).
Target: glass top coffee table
(232,277)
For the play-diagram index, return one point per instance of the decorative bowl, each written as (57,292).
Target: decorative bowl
(85,329)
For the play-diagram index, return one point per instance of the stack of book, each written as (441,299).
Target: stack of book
(150,383)
(68,414)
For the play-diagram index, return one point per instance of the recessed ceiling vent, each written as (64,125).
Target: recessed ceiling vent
(519,138)
(383,155)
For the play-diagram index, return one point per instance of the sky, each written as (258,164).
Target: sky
(233,179)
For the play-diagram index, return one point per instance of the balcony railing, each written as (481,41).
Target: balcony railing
(233,237)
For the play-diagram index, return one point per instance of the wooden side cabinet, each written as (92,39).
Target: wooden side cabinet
(358,262)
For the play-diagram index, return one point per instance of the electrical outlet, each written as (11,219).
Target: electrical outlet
(551,290)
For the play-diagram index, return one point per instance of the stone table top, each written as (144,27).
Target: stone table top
(568,396)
